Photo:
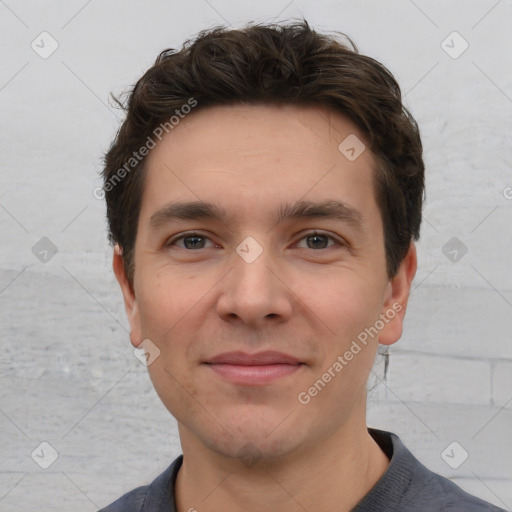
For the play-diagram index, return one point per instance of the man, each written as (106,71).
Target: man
(264,194)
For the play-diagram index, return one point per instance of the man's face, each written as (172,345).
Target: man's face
(247,283)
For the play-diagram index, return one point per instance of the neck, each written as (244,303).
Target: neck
(332,476)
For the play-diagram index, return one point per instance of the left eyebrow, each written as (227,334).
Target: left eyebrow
(195,210)
(329,209)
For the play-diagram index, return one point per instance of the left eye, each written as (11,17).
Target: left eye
(318,240)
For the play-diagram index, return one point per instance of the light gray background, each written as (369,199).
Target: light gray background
(68,374)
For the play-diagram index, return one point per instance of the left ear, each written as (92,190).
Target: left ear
(397,295)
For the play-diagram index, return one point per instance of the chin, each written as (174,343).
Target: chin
(253,449)
(253,438)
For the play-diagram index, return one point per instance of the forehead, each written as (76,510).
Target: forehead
(255,155)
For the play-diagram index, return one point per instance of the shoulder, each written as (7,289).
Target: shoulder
(132,501)
(434,492)
(409,486)
(156,497)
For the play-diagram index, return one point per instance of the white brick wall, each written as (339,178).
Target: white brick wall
(502,384)
(65,353)
(416,377)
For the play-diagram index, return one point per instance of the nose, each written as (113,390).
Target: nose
(254,292)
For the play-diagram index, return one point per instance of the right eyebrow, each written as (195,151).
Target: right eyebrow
(192,210)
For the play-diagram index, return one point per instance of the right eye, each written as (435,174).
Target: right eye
(191,241)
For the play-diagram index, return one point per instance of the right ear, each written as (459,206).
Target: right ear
(130,300)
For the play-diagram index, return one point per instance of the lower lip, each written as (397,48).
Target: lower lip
(254,375)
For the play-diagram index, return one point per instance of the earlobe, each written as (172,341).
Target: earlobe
(395,304)
(130,300)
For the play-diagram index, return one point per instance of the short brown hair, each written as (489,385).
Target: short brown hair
(263,64)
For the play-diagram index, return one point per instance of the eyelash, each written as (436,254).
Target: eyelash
(172,242)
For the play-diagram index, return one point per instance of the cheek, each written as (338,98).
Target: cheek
(164,302)
(349,309)
(173,309)
(344,302)
(168,319)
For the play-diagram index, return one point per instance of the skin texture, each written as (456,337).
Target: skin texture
(256,447)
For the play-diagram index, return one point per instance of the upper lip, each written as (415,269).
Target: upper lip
(258,359)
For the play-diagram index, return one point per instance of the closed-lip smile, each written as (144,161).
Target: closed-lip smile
(254,369)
